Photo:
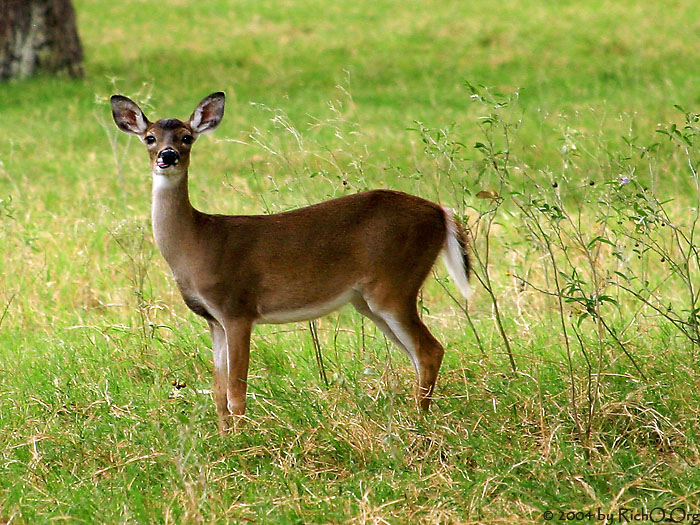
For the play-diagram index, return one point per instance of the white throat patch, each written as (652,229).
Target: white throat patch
(161,181)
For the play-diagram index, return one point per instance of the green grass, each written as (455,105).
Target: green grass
(324,99)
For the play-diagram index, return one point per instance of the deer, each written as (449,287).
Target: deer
(372,249)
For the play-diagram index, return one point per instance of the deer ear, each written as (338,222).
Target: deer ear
(208,114)
(128,116)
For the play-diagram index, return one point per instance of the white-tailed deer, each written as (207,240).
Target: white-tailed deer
(371,249)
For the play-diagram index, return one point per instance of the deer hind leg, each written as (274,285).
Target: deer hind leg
(362,307)
(401,323)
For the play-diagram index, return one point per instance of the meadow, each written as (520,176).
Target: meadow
(563,133)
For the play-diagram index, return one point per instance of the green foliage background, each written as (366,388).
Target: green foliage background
(324,99)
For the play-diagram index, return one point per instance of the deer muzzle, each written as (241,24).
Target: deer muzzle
(168,157)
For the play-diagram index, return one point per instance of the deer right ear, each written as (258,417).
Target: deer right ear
(128,116)
(208,114)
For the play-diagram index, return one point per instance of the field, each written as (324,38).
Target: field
(563,133)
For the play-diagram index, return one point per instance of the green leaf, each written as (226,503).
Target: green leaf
(600,239)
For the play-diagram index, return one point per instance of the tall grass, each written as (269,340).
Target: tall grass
(570,381)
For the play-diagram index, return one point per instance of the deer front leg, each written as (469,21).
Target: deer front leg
(231,345)
(238,354)
(218,339)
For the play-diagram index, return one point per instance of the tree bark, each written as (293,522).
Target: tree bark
(38,36)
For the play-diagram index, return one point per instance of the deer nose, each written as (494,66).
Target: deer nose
(168,157)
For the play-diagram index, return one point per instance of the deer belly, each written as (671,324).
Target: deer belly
(305,312)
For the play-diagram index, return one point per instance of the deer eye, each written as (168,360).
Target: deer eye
(187,139)
(150,139)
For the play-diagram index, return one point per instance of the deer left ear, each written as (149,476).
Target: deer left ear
(208,114)
(128,116)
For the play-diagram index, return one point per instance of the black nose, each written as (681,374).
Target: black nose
(168,157)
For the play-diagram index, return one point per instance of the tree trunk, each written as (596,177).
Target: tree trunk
(38,36)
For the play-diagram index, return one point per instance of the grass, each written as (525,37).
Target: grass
(326,99)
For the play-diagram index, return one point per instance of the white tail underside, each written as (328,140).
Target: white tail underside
(453,258)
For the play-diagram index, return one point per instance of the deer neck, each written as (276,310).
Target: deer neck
(173,216)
